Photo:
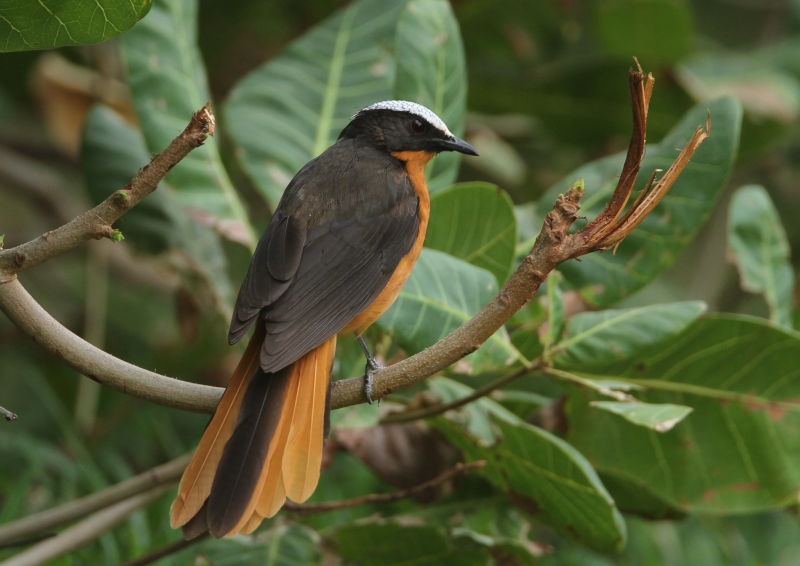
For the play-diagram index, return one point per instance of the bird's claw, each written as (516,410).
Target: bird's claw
(372,367)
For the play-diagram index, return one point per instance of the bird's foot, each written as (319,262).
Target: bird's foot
(373,366)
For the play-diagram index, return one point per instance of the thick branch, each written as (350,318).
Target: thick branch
(96,364)
(96,223)
(44,521)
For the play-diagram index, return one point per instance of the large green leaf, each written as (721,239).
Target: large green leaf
(392,543)
(441,294)
(431,71)
(738,451)
(168,84)
(606,278)
(26,25)
(112,152)
(597,339)
(760,249)
(474,222)
(292,108)
(287,545)
(548,478)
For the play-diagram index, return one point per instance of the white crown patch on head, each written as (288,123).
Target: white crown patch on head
(411,108)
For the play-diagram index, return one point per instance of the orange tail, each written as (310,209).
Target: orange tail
(263,443)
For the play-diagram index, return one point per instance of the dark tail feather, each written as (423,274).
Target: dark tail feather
(197,525)
(239,469)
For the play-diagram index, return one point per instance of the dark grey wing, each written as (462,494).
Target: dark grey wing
(337,237)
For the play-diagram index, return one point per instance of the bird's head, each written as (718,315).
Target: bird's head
(399,125)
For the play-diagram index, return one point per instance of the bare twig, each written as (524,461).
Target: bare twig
(8,414)
(96,223)
(553,246)
(84,532)
(166,550)
(163,475)
(313,508)
(440,408)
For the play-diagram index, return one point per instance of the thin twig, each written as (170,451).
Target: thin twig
(313,508)
(166,550)
(96,223)
(83,532)
(8,414)
(440,408)
(165,474)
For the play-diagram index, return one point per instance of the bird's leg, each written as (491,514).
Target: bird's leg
(373,366)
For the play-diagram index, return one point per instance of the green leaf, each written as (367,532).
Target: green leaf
(431,71)
(660,418)
(168,84)
(112,152)
(597,339)
(441,294)
(390,543)
(26,25)
(739,452)
(658,32)
(287,545)
(475,416)
(760,250)
(549,479)
(474,222)
(606,278)
(291,109)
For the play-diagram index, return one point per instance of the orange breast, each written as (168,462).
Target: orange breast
(415,167)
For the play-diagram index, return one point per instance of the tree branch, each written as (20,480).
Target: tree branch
(440,408)
(85,531)
(553,246)
(314,508)
(96,223)
(165,474)
(8,414)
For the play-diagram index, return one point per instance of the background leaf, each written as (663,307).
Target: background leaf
(661,418)
(28,25)
(431,71)
(597,339)
(389,543)
(760,250)
(293,107)
(549,479)
(606,278)
(168,84)
(290,544)
(738,451)
(474,222)
(441,294)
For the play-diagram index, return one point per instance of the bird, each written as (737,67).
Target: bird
(335,255)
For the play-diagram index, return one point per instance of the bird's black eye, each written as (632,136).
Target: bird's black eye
(418,126)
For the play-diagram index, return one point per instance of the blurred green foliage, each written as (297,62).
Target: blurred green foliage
(540,89)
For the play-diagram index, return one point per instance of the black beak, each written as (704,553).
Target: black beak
(456,144)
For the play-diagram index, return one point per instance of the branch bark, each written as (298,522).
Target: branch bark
(553,246)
